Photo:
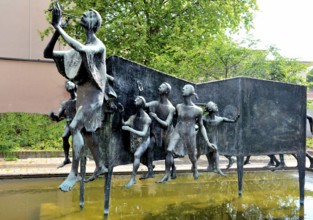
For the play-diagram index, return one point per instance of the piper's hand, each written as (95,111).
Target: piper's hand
(56,14)
(64,24)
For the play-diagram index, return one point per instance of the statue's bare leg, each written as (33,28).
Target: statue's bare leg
(66,147)
(194,168)
(138,154)
(72,178)
(132,180)
(282,164)
(173,171)
(210,159)
(150,154)
(168,164)
(231,161)
(78,143)
(169,159)
(217,164)
(92,141)
(247,160)
(273,161)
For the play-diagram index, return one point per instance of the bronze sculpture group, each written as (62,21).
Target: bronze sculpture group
(85,65)
(186,129)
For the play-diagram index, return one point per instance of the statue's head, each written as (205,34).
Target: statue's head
(91,20)
(165,88)
(140,102)
(189,90)
(70,86)
(211,107)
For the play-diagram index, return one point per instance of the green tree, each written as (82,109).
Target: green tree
(309,79)
(216,58)
(270,64)
(185,38)
(144,30)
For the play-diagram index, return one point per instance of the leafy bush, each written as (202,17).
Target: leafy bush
(309,104)
(29,131)
(309,143)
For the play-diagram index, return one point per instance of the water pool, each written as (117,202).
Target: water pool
(266,195)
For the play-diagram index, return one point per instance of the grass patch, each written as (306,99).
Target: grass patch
(10,158)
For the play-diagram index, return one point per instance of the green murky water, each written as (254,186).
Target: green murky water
(267,195)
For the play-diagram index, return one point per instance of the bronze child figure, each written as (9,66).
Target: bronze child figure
(161,112)
(211,121)
(188,117)
(139,127)
(67,111)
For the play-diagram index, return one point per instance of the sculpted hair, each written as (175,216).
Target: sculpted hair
(143,100)
(211,107)
(99,20)
(169,87)
(193,90)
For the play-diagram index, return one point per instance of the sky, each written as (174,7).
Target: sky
(286,24)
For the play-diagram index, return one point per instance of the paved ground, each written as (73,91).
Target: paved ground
(34,167)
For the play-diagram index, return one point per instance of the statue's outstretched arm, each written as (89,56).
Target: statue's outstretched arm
(231,120)
(48,52)
(57,24)
(59,116)
(75,44)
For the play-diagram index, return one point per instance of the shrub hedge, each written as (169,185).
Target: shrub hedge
(25,131)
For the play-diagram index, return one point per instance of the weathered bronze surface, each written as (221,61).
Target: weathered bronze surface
(272,114)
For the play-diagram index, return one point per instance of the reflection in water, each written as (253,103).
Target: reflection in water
(266,195)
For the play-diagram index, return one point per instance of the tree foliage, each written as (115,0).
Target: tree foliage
(185,38)
(270,64)
(141,30)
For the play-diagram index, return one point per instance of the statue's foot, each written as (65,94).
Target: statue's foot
(98,171)
(271,164)
(149,174)
(281,166)
(210,169)
(219,172)
(231,163)
(165,178)
(195,174)
(131,182)
(66,161)
(173,173)
(69,182)
(246,162)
